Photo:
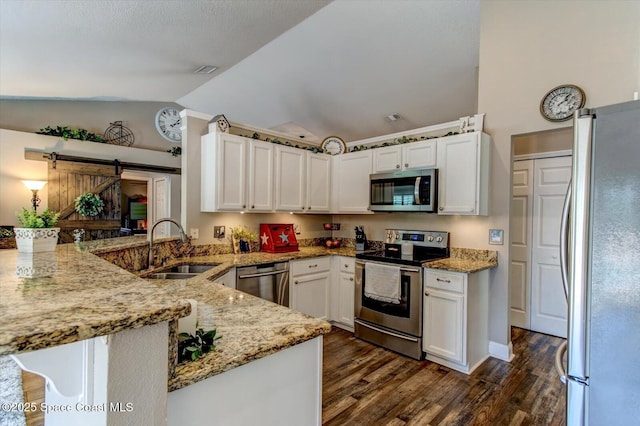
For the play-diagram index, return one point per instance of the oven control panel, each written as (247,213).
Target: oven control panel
(422,238)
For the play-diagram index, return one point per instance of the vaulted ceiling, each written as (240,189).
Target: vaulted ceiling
(303,67)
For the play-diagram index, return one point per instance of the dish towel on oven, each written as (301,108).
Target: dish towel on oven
(382,282)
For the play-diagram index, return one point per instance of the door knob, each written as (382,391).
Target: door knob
(426,293)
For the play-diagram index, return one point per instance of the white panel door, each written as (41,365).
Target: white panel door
(548,302)
(351,182)
(260,180)
(520,232)
(318,182)
(290,178)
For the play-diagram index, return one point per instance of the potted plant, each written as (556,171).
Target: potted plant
(89,204)
(241,239)
(37,232)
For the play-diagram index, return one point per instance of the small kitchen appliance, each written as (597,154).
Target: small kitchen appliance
(392,317)
(277,238)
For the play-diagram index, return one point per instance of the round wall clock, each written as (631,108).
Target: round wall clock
(333,145)
(168,123)
(561,102)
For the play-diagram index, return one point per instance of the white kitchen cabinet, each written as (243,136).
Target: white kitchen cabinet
(260,176)
(318,182)
(236,174)
(414,155)
(342,291)
(303,180)
(455,318)
(351,182)
(309,286)
(463,174)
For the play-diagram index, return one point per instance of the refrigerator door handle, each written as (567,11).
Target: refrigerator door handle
(562,349)
(564,242)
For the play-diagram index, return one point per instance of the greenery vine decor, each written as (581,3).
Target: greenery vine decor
(89,204)
(67,133)
(277,141)
(175,151)
(399,141)
(31,219)
(191,347)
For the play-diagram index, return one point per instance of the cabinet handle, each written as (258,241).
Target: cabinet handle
(295,282)
(443,281)
(346,265)
(313,266)
(253,207)
(397,166)
(426,293)
(406,164)
(350,278)
(309,208)
(302,207)
(244,206)
(441,208)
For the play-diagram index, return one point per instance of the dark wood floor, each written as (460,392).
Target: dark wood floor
(367,385)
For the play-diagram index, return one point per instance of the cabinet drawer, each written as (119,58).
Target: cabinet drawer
(310,266)
(347,264)
(444,281)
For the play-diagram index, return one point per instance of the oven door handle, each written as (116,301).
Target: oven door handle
(380,330)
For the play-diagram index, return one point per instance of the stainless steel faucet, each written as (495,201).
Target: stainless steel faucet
(183,237)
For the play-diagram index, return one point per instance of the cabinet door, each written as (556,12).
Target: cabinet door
(290,179)
(318,182)
(387,159)
(444,324)
(351,182)
(310,294)
(419,155)
(458,179)
(260,176)
(230,169)
(346,295)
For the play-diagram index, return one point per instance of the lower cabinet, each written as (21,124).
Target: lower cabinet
(309,286)
(342,291)
(455,321)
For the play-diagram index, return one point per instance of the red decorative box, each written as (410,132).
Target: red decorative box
(277,238)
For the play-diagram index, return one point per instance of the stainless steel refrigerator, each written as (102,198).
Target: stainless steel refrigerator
(600,245)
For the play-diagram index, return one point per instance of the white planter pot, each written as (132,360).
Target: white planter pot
(36,240)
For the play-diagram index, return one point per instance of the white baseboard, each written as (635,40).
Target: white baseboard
(500,351)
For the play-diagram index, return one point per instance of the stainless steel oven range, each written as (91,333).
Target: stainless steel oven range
(388,289)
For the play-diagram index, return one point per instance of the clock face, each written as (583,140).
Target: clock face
(168,123)
(333,145)
(561,102)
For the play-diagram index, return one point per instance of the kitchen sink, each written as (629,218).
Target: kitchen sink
(193,269)
(170,276)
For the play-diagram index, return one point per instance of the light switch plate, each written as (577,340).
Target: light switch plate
(194,233)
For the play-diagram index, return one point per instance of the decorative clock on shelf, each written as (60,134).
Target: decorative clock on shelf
(168,123)
(561,102)
(333,145)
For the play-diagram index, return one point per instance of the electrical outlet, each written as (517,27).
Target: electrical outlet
(194,233)
(218,232)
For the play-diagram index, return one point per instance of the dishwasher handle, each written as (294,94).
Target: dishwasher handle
(262,274)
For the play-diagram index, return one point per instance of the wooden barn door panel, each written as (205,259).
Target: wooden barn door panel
(68,180)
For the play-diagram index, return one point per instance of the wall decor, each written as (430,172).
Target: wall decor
(66,133)
(561,102)
(117,134)
(496,236)
(221,123)
(168,123)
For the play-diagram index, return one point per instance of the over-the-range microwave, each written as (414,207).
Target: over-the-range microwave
(406,191)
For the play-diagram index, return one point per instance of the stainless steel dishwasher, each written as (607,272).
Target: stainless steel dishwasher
(269,281)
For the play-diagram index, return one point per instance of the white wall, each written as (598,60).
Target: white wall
(527,48)
(14,168)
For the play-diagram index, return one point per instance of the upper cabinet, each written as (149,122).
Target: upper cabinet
(414,155)
(303,180)
(351,182)
(236,174)
(463,174)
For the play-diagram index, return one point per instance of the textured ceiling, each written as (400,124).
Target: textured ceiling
(296,66)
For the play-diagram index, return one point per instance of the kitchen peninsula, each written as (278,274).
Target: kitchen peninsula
(57,325)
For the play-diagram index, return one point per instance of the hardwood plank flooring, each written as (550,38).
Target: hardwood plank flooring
(364,384)
(367,385)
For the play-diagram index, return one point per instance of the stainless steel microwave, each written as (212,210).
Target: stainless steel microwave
(407,191)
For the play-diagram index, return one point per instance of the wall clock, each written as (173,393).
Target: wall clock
(168,123)
(333,145)
(561,102)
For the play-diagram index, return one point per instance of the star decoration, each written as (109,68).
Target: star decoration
(264,238)
(284,238)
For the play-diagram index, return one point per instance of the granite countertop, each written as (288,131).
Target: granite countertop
(465,260)
(81,296)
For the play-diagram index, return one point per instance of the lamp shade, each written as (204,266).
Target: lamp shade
(34,185)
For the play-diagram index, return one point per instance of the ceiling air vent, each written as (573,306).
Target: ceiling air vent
(206,69)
